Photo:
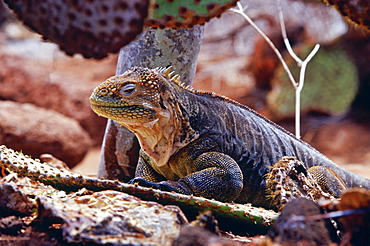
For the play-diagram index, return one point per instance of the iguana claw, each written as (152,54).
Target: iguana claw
(155,185)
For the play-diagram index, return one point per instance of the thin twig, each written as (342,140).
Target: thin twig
(335,214)
(240,11)
(285,36)
(302,64)
(299,88)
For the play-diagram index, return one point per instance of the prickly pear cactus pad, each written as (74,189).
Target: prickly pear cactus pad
(183,14)
(92,28)
(330,85)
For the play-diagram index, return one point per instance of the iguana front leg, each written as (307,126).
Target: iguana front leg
(216,176)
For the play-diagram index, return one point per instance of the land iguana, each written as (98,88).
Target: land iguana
(200,143)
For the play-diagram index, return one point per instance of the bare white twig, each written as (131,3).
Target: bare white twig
(301,64)
(240,11)
(298,86)
(285,36)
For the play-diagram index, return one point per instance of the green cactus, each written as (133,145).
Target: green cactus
(182,14)
(330,84)
(90,28)
(96,28)
(251,218)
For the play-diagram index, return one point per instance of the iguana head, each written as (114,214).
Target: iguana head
(131,98)
(144,100)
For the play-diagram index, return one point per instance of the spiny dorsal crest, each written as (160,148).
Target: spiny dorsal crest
(168,72)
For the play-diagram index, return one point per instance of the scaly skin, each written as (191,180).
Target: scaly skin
(200,143)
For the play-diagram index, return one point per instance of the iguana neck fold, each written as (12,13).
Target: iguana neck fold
(156,137)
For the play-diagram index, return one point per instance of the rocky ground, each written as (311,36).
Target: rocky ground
(44,93)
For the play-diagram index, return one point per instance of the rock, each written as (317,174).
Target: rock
(289,230)
(356,225)
(288,180)
(198,236)
(202,232)
(84,217)
(111,217)
(36,131)
(13,201)
(11,225)
(23,81)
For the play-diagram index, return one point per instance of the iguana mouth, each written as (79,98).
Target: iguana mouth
(129,113)
(100,108)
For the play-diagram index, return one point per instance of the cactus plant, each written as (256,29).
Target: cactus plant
(91,28)
(182,14)
(96,28)
(241,214)
(330,87)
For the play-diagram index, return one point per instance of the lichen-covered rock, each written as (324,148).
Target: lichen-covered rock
(11,225)
(112,217)
(288,180)
(13,200)
(243,216)
(105,217)
(36,131)
(330,85)
(92,28)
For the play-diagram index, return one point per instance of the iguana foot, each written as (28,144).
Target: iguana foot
(213,175)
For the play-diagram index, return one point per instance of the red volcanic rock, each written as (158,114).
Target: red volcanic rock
(23,81)
(35,131)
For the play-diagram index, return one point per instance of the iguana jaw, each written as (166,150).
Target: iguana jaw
(123,114)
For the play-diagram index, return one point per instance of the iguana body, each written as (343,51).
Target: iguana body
(200,143)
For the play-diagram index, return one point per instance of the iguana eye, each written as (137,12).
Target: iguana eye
(128,89)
